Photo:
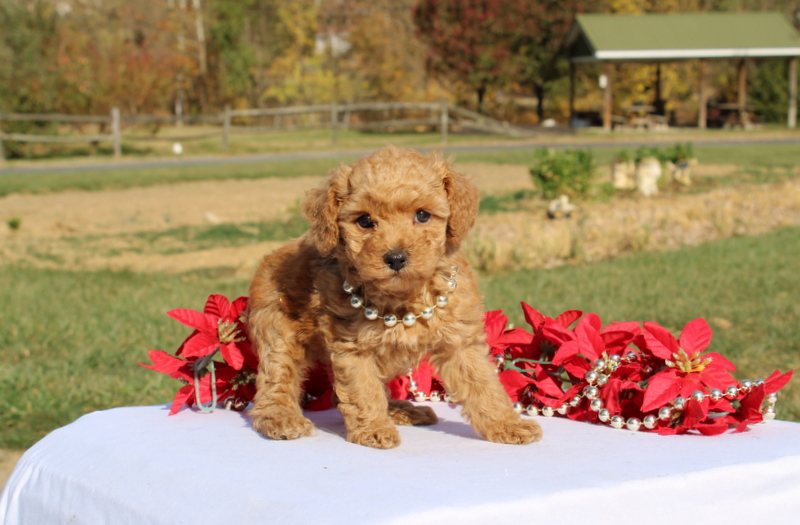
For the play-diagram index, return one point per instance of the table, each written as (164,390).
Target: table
(137,465)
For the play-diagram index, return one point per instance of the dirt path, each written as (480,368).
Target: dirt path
(49,224)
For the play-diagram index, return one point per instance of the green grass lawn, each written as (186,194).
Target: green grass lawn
(70,341)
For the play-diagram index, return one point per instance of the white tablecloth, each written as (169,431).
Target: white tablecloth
(136,465)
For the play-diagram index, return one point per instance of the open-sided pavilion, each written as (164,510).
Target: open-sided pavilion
(660,38)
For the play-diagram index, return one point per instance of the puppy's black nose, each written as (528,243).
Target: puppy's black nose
(396,259)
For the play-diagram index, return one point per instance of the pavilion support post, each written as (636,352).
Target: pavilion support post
(657,102)
(791,119)
(702,114)
(571,93)
(608,69)
(743,118)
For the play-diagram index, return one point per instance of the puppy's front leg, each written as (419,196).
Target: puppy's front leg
(471,381)
(363,401)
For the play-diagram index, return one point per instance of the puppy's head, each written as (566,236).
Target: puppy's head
(393,215)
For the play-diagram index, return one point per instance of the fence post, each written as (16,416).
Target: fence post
(334,123)
(444,120)
(226,126)
(115,132)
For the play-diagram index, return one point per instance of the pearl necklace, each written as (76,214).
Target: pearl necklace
(409,319)
(596,379)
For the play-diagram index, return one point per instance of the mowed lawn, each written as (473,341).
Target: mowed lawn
(70,341)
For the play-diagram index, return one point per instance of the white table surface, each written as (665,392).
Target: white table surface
(137,465)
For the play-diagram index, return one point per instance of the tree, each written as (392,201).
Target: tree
(469,41)
(537,40)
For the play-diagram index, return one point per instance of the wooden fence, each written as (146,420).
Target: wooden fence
(232,121)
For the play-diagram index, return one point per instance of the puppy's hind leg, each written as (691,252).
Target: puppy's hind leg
(276,410)
(405,413)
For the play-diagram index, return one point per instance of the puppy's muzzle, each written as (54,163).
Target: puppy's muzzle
(396,259)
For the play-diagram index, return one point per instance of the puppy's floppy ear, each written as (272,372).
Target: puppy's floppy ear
(321,209)
(463,197)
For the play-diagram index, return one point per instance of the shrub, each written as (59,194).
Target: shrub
(567,172)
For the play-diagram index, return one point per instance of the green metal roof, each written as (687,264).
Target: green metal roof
(681,36)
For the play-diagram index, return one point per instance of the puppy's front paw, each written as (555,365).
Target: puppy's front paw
(516,432)
(282,425)
(380,437)
(405,413)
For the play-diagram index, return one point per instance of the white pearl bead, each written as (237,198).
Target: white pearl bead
(562,409)
(746,385)
(731,392)
(548,411)
(679,403)
(371,314)
(650,422)
(420,397)
(348,288)
(390,320)
(602,379)
(427,313)
(355,301)
(599,365)
(716,394)
(409,319)
(517,407)
(532,411)
(451,283)
(441,301)
(596,405)
(617,422)
(434,396)
(665,414)
(769,413)
(698,395)
(772,398)
(633,424)
(591,376)
(604,415)
(590,392)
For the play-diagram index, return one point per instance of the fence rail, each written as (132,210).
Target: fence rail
(319,116)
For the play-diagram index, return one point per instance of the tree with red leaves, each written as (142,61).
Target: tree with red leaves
(469,41)
(489,43)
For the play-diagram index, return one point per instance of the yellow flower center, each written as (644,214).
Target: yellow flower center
(687,364)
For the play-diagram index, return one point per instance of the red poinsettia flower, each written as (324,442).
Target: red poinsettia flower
(220,325)
(686,370)
(183,370)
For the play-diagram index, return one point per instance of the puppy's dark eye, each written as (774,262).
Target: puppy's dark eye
(422,216)
(365,221)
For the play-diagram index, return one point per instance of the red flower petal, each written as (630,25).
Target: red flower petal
(532,316)
(695,337)
(239,305)
(776,381)
(204,322)
(661,389)
(218,306)
(167,364)
(184,397)
(592,320)
(199,344)
(568,317)
(494,323)
(659,341)
(232,355)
